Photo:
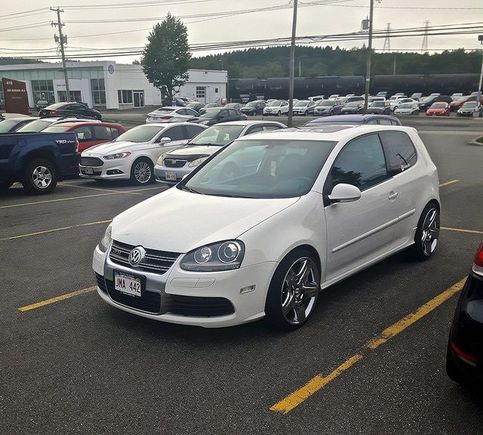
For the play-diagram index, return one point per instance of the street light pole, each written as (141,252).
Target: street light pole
(292,65)
(369,57)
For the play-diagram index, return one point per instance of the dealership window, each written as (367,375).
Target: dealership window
(74,96)
(98,92)
(124,97)
(43,90)
(200,91)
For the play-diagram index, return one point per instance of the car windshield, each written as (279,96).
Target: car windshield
(232,105)
(211,113)
(7,125)
(252,103)
(164,110)
(326,103)
(274,103)
(301,103)
(273,168)
(426,99)
(405,106)
(56,106)
(469,104)
(439,105)
(141,133)
(377,104)
(34,126)
(218,135)
(56,129)
(354,103)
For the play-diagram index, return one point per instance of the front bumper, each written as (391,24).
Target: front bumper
(245,289)
(117,169)
(163,174)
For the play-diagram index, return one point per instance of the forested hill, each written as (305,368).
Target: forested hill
(317,61)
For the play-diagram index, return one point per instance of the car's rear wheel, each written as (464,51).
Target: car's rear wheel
(294,290)
(40,176)
(427,232)
(142,171)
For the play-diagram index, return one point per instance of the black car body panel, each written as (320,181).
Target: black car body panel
(79,110)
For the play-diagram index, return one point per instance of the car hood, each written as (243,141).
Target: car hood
(193,150)
(113,147)
(179,221)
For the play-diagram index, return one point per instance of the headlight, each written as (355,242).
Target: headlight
(160,161)
(106,240)
(117,156)
(197,162)
(215,257)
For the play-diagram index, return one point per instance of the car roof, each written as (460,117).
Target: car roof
(170,124)
(327,133)
(249,122)
(359,118)
(88,122)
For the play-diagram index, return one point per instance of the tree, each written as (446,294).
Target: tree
(166,56)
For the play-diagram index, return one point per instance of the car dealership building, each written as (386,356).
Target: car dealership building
(109,85)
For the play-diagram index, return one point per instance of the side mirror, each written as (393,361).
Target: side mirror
(164,140)
(344,193)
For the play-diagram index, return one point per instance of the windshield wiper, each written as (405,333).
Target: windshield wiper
(189,189)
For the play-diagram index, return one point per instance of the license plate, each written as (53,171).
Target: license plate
(170,176)
(88,171)
(127,284)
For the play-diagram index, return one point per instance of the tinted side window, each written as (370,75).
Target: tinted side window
(83,133)
(254,129)
(174,133)
(193,130)
(102,133)
(400,151)
(383,121)
(115,132)
(360,163)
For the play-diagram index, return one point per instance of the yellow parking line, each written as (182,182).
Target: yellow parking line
(448,183)
(56,299)
(294,399)
(461,230)
(315,384)
(54,230)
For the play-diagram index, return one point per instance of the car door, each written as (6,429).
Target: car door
(359,231)
(85,136)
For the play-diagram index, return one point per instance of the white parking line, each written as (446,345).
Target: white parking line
(90,188)
(449,183)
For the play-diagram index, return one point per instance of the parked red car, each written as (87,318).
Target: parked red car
(438,109)
(89,133)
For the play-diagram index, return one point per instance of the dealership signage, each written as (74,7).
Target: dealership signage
(15,95)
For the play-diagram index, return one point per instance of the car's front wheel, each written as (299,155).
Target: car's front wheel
(142,171)
(40,176)
(294,290)
(427,232)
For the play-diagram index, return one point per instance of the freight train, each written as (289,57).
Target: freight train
(304,87)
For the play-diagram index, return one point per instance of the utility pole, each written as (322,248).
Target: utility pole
(61,39)
(292,64)
(369,57)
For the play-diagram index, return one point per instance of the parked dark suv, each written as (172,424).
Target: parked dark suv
(78,110)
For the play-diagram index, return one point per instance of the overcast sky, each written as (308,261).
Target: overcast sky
(339,17)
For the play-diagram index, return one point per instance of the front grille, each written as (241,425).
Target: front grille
(194,306)
(154,261)
(101,283)
(149,301)
(84,172)
(174,163)
(91,161)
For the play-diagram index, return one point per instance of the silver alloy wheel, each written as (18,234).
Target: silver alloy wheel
(42,177)
(142,172)
(430,231)
(299,290)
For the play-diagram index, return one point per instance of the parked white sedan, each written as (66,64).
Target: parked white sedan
(305,210)
(134,153)
(171,114)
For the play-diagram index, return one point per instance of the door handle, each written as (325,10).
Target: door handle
(393,195)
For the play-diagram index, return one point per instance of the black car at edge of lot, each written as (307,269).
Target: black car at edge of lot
(357,119)
(79,110)
(464,360)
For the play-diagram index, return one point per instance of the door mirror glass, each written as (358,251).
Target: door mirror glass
(164,140)
(344,193)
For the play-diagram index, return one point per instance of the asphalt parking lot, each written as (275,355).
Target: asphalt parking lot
(72,364)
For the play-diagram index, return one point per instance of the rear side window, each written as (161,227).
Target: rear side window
(83,133)
(399,150)
(174,133)
(115,132)
(360,163)
(102,133)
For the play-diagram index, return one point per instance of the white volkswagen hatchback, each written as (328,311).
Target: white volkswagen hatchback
(305,210)
(133,154)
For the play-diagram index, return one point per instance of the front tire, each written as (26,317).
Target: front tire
(142,171)
(294,290)
(40,176)
(427,232)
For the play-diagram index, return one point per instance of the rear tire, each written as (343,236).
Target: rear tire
(294,290)
(427,232)
(142,171)
(40,176)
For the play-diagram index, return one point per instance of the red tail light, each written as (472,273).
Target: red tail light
(471,360)
(53,111)
(166,117)
(479,256)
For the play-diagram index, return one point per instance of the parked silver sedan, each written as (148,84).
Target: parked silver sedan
(171,114)
(174,165)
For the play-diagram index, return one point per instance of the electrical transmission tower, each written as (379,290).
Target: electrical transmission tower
(387,41)
(424,46)
(61,39)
